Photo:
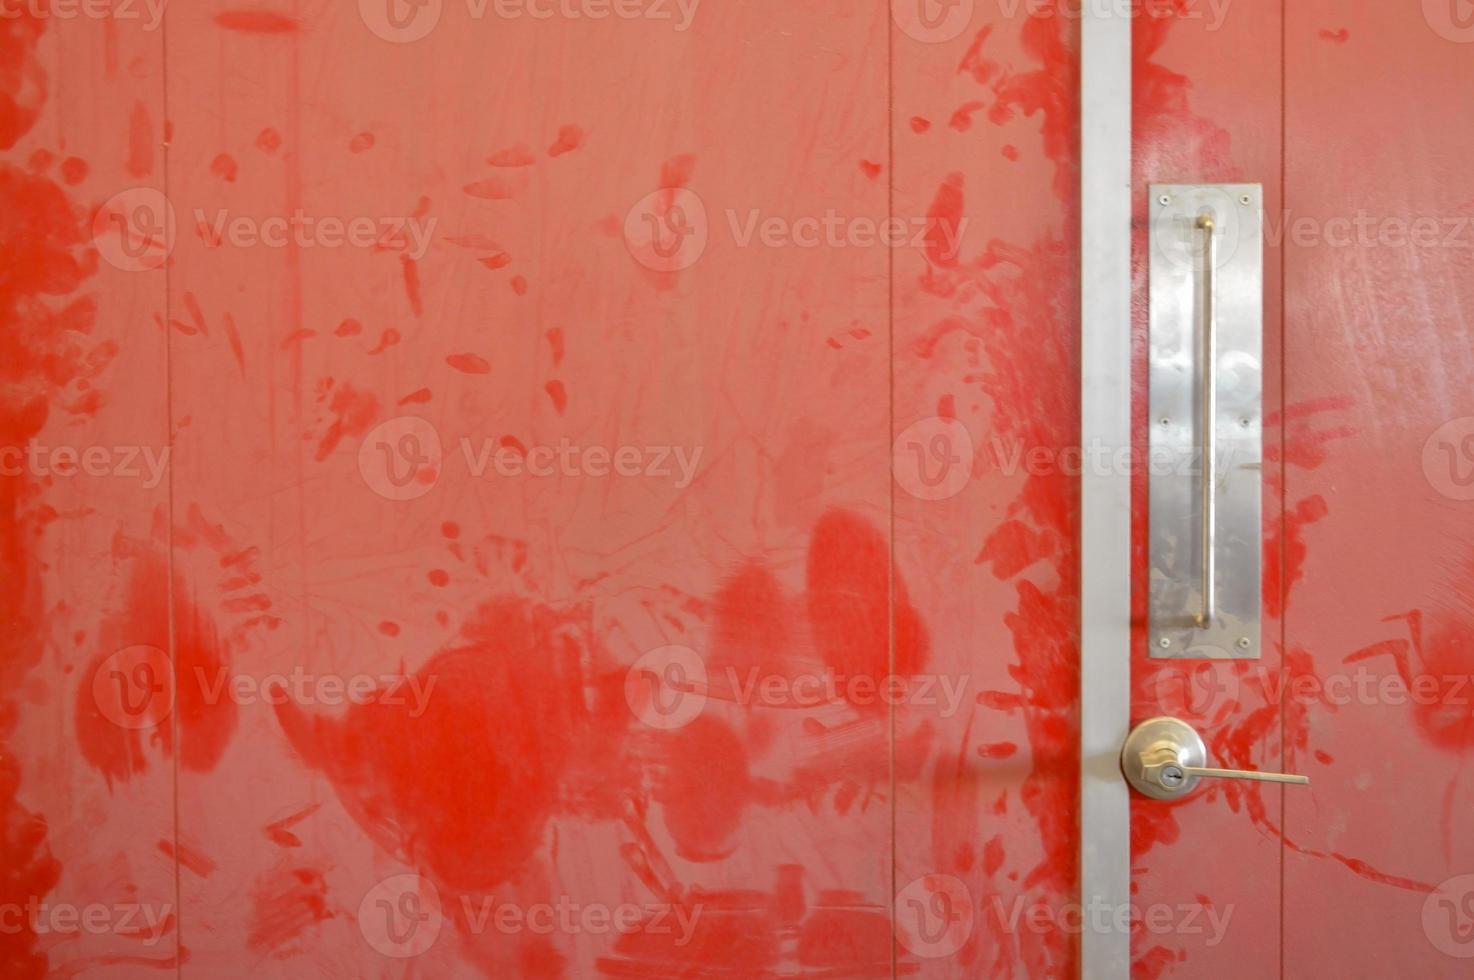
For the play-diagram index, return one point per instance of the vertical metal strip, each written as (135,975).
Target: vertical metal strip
(1105,492)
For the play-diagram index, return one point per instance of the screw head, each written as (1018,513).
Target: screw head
(1245,423)
(1164,200)
(1245,199)
(1243,643)
(1165,421)
(1164,643)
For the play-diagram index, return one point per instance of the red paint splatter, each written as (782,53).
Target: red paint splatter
(1335,37)
(570,138)
(285,904)
(348,328)
(361,143)
(469,363)
(558,394)
(74,170)
(280,832)
(224,167)
(920,124)
(257,22)
(412,284)
(869,169)
(268,140)
(353,413)
(517,156)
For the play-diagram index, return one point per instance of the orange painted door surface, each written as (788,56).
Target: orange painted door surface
(532,489)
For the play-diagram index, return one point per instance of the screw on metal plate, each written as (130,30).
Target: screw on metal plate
(1164,200)
(1243,643)
(1164,643)
(1245,199)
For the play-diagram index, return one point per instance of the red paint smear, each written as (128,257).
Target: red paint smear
(1335,37)
(498,261)
(558,395)
(494,740)
(920,124)
(234,338)
(869,169)
(570,138)
(74,170)
(353,413)
(1010,152)
(555,344)
(973,63)
(469,363)
(962,117)
(1012,547)
(188,858)
(224,167)
(348,328)
(268,140)
(280,832)
(945,223)
(419,396)
(40,254)
(519,285)
(438,577)
(676,172)
(285,903)
(1285,552)
(140,142)
(517,156)
(387,339)
(204,719)
(257,22)
(412,284)
(361,143)
(479,242)
(491,189)
(389,628)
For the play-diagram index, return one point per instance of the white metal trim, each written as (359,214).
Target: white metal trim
(1105,494)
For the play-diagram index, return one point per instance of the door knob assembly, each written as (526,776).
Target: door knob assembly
(1164,758)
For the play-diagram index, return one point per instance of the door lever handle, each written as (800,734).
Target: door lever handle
(1164,759)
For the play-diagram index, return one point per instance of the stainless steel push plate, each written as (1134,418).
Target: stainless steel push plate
(1206,446)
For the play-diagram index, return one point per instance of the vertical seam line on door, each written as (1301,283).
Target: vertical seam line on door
(1284,469)
(174,732)
(890,281)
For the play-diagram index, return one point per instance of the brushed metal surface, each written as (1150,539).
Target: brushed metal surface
(1185,303)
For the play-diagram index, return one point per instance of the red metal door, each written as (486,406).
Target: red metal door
(520,585)
(1341,111)
(591,489)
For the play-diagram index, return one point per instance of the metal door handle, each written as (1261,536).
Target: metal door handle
(1164,759)
(1208,425)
